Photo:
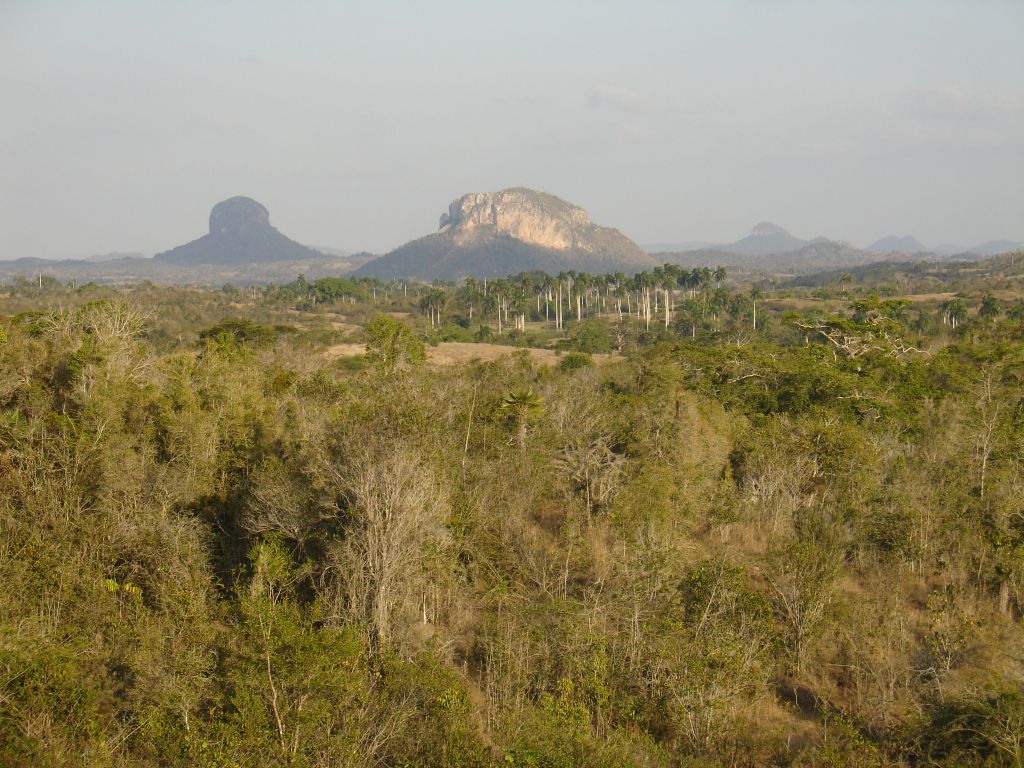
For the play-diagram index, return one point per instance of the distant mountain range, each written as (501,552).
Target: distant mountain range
(898,244)
(911,245)
(493,234)
(816,256)
(938,275)
(115,256)
(764,239)
(990,248)
(770,248)
(767,239)
(487,234)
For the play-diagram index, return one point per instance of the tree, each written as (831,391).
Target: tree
(667,283)
(720,275)
(989,307)
(298,692)
(395,512)
(432,303)
(802,577)
(755,294)
(954,311)
(592,336)
(392,346)
(469,295)
(239,331)
(522,406)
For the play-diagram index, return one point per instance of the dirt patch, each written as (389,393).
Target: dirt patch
(460,352)
(344,327)
(344,350)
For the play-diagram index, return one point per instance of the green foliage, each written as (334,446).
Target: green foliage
(592,336)
(328,289)
(748,547)
(392,346)
(521,408)
(240,332)
(574,361)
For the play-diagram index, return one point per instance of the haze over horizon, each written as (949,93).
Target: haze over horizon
(356,124)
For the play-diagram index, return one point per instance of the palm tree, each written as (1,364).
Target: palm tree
(720,274)
(755,294)
(955,310)
(563,277)
(582,282)
(647,281)
(620,288)
(719,301)
(550,282)
(432,303)
(517,301)
(668,282)
(501,288)
(489,304)
(694,282)
(989,306)
(468,294)
(522,406)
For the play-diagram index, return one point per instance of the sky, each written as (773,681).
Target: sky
(356,123)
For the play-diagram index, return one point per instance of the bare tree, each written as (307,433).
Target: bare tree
(802,577)
(396,512)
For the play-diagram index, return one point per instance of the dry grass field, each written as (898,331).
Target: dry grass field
(458,352)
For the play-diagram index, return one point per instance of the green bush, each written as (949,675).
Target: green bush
(574,361)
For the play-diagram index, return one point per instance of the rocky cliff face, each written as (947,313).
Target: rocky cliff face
(240,233)
(490,234)
(528,216)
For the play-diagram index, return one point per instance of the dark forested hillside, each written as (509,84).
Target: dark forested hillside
(576,520)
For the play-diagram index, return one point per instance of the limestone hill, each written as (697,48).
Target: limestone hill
(491,234)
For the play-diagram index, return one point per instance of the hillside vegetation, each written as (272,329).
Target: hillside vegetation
(770,528)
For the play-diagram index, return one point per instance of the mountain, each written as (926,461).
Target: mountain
(995,247)
(765,238)
(115,256)
(933,275)
(816,255)
(493,234)
(908,244)
(898,244)
(240,233)
(339,252)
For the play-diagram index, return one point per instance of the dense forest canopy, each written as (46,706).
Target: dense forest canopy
(551,520)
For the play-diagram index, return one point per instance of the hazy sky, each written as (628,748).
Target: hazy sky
(355,123)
